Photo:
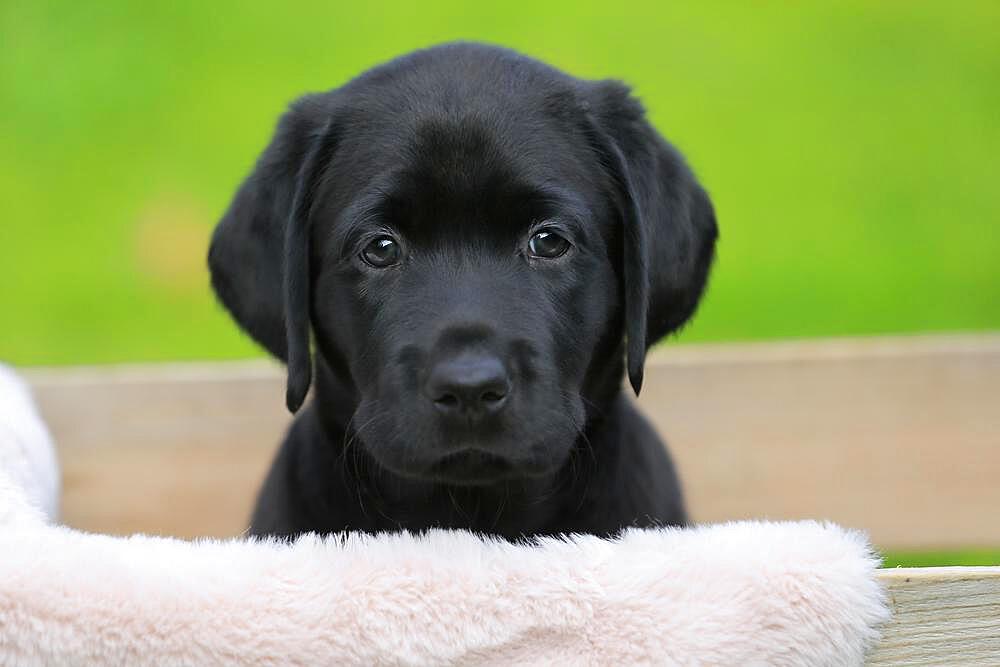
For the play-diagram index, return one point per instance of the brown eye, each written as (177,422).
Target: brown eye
(382,252)
(547,244)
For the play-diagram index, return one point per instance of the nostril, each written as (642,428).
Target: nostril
(493,396)
(447,401)
(468,385)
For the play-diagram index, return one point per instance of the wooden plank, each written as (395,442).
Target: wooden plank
(898,436)
(941,616)
(168,450)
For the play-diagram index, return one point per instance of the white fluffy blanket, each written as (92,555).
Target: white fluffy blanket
(736,594)
(26,453)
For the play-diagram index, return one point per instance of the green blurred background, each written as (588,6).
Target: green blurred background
(851,149)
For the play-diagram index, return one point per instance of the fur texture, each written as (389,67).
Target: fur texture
(26,452)
(478,246)
(737,594)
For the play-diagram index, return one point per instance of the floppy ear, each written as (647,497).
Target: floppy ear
(668,240)
(259,255)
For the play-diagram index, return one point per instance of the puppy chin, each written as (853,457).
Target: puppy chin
(522,446)
(472,463)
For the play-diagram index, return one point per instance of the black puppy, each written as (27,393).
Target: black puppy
(475,243)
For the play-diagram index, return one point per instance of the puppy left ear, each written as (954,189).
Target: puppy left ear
(668,240)
(259,256)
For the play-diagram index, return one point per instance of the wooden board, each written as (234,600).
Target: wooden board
(941,616)
(898,436)
(167,450)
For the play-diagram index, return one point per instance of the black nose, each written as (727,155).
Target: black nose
(470,385)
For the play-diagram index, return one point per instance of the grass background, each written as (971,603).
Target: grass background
(851,149)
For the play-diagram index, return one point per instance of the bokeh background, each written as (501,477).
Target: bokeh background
(852,150)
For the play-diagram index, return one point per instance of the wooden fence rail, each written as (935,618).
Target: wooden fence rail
(900,437)
(941,616)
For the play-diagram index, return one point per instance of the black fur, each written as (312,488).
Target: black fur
(473,383)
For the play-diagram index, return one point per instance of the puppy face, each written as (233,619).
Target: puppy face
(468,285)
(472,238)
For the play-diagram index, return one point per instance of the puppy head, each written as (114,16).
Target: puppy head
(469,236)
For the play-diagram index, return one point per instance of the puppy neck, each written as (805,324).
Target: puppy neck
(335,398)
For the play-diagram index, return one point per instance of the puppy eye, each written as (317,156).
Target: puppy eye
(547,244)
(381,252)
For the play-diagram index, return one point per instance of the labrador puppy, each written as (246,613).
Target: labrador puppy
(463,251)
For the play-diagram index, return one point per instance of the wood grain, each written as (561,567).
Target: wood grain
(167,450)
(900,437)
(897,436)
(941,616)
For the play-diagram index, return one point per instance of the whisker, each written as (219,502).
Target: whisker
(351,436)
(501,507)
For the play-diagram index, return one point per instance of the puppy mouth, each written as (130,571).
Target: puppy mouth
(471,467)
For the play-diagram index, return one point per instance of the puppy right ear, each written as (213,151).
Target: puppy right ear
(259,253)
